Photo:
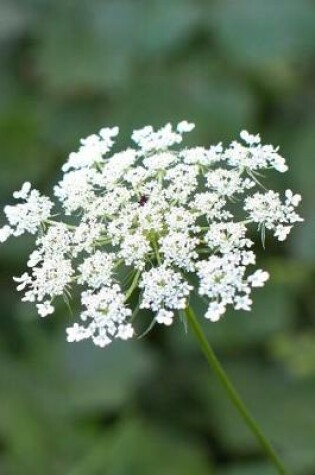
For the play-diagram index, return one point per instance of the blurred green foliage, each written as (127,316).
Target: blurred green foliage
(151,407)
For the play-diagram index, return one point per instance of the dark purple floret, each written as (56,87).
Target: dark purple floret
(143,200)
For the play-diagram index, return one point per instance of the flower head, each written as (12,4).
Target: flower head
(143,225)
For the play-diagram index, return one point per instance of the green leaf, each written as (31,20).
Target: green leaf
(64,123)
(37,437)
(282,406)
(303,171)
(98,379)
(250,468)
(63,379)
(136,448)
(97,46)
(142,29)
(71,58)
(272,312)
(297,352)
(256,34)
(44,395)
(302,164)
(23,156)
(14,19)
(193,90)
(303,244)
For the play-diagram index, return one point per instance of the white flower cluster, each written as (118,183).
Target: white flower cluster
(164,290)
(142,224)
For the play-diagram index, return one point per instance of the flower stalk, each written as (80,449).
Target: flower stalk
(232,393)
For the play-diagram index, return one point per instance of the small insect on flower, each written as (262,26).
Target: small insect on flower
(140,223)
(143,200)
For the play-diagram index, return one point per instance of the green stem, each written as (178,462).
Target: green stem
(133,285)
(232,393)
(156,250)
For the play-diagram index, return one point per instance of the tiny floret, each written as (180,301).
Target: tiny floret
(185,126)
(147,230)
(250,139)
(5,233)
(45,309)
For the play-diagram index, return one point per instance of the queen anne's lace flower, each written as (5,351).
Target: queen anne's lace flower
(142,224)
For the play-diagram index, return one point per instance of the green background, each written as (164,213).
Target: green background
(151,407)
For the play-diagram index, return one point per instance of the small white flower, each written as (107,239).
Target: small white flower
(24,191)
(107,133)
(124,332)
(256,157)
(35,257)
(134,248)
(75,190)
(28,216)
(77,333)
(258,278)
(22,281)
(165,317)
(180,219)
(292,199)
(215,311)
(227,182)
(202,156)
(227,236)
(164,287)
(222,278)
(147,139)
(45,309)
(282,232)
(105,316)
(243,302)
(92,150)
(97,270)
(250,139)
(185,126)
(267,209)
(179,248)
(182,182)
